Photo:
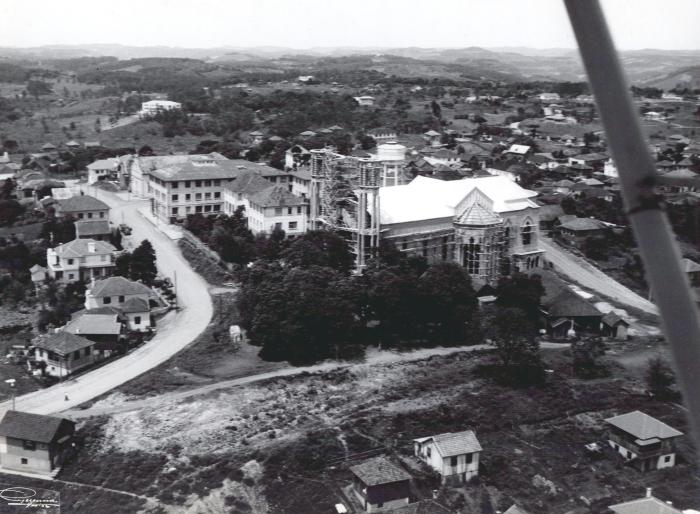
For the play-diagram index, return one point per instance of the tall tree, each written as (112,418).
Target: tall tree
(143,263)
(448,304)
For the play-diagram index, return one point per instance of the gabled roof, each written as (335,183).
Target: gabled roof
(248,182)
(429,198)
(518,149)
(80,203)
(581,224)
(690,266)
(611,319)
(62,343)
(91,228)
(649,505)
(94,324)
(431,133)
(642,426)
(379,470)
(276,196)
(32,427)
(567,304)
(118,286)
(133,305)
(454,443)
(81,248)
(514,509)
(104,164)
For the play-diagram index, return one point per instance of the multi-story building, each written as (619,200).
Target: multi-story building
(179,185)
(64,353)
(643,440)
(277,208)
(80,259)
(489,225)
(153,107)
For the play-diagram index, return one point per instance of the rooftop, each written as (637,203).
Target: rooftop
(94,324)
(568,304)
(275,196)
(80,203)
(81,247)
(118,286)
(32,427)
(62,343)
(91,228)
(379,470)
(648,505)
(454,443)
(642,426)
(428,198)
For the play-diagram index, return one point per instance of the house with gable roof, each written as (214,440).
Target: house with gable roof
(645,441)
(34,443)
(64,353)
(454,455)
(380,484)
(133,299)
(649,504)
(82,207)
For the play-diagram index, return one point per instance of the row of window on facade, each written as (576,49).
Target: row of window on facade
(89,216)
(197,209)
(190,183)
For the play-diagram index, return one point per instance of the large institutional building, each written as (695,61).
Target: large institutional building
(489,225)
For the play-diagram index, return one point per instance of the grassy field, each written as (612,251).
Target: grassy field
(283,446)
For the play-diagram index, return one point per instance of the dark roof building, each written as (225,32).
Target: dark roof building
(34,443)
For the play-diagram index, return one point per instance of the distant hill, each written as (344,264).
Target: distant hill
(684,77)
(647,67)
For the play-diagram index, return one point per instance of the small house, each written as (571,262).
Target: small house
(455,456)
(577,229)
(643,440)
(106,330)
(380,484)
(614,326)
(82,207)
(649,504)
(568,314)
(34,443)
(64,353)
(103,169)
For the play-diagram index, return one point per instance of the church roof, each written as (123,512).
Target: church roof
(427,198)
(477,214)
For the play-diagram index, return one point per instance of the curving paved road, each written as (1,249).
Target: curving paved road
(175,331)
(588,276)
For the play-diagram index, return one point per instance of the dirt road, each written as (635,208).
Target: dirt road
(373,358)
(175,331)
(583,273)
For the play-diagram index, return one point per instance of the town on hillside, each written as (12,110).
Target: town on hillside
(348,282)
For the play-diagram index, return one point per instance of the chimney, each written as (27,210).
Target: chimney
(91,247)
(648,492)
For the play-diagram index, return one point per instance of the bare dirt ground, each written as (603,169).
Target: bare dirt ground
(282,445)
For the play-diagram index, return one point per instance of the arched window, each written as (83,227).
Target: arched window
(526,233)
(471,256)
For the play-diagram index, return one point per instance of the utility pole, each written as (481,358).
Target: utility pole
(12,382)
(175,287)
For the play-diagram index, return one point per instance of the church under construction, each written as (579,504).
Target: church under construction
(489,225)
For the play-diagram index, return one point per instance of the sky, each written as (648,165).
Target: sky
(671,24)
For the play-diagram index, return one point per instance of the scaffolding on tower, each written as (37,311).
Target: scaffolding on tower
(345,199)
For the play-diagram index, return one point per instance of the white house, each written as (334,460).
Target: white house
(644,440)
(549,97)
(153,107)
(131,298)
(365,101)
(454,455)
(80,259)
(103,169)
